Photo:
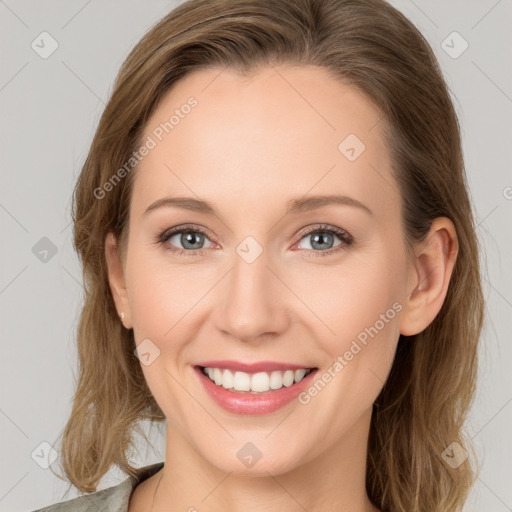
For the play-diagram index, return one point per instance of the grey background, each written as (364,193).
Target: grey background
(50,109)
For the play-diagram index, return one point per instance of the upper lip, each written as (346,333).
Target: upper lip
(259,366)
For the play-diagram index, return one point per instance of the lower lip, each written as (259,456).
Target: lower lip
(247,403)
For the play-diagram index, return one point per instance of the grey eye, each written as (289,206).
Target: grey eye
(189,240)
(320,240)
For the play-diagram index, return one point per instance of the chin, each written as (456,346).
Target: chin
(246,459)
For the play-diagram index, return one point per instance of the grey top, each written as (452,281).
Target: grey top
(113,499)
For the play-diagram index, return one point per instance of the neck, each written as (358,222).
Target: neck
(333,480)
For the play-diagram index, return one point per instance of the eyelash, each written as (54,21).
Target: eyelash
(345,238)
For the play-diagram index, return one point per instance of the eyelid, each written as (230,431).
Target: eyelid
(320,228)
(185,227)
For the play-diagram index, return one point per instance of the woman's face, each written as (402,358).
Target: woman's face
(255,159)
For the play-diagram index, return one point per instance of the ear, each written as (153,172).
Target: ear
(116,279)
(430,274)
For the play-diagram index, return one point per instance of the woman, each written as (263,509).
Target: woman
(242,136)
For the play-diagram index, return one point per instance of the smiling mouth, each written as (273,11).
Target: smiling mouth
(254,383)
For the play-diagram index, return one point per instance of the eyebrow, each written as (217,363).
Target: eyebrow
(295,206)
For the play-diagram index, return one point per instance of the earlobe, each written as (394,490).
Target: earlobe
(117,280)
(431,271)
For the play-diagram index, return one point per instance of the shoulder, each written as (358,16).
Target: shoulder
(113,499)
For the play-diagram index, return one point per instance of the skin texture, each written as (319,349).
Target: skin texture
(249,146)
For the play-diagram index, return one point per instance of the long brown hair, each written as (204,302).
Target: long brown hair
(373,47)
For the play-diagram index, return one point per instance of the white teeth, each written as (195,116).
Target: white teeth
(242,381)
(288,377)
(299,375)
(276,380)
(260,382)
(257,382)
(227,379)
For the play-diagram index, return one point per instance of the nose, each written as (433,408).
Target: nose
(252,302)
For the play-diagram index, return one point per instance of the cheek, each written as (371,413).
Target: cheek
(367,316)
(357,326)
(366,322)
(167,304)
(160,293)
(159,302)
(351,301)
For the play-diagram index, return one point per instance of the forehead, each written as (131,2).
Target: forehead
(280,131)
